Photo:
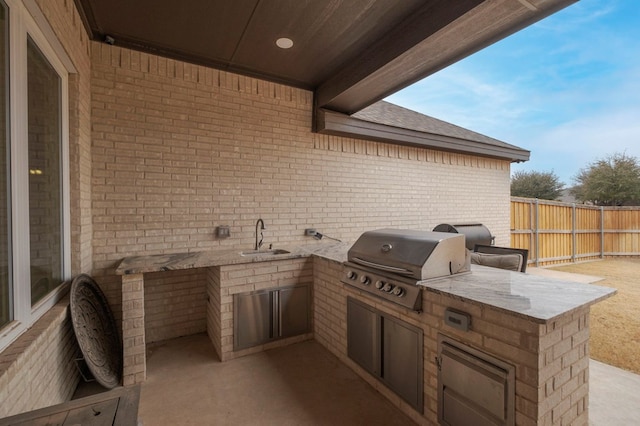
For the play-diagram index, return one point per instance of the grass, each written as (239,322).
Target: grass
(614,322)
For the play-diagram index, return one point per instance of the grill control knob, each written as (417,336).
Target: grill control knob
(365,280)
(380,284)
(387,287)
(398,291)
(352,275)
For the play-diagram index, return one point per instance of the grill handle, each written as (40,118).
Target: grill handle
(401,271)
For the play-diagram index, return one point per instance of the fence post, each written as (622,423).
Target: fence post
(573,233)
(601,232)
(531,236)
(537,233)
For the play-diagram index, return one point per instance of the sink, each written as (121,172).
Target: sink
(272,252)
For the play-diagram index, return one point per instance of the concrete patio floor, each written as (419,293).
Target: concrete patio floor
(301,384)
(614,396)
(304,384)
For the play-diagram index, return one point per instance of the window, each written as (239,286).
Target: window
(5,243)
(45,197)
(34,212)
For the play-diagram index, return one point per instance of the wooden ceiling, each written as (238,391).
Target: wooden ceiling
(351,53)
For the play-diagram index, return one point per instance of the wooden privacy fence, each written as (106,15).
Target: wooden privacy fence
(556,232)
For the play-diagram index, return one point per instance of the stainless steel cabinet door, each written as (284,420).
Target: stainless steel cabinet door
(402,360)
(388,348)
(363,336)
(293,316)
(252,319)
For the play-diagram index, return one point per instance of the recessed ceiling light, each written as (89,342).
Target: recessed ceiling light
(284,43)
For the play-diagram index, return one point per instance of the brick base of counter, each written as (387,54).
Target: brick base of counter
(225,281)
(133,334)
(551,360)
(222,282)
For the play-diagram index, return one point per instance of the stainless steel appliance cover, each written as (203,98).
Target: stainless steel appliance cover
(411,253)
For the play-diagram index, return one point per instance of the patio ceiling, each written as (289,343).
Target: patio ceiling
(351,53)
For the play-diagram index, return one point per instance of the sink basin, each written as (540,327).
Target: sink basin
(272,252)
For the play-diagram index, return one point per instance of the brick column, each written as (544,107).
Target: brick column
(133,340)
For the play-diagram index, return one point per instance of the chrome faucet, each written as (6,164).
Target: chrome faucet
(260,224)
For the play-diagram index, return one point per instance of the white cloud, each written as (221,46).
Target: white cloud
(460,97)
(566,88)
(573,145)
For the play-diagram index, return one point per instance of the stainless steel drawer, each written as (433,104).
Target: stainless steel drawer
(473,387)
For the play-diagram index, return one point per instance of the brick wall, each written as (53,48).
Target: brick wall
(133,330)
(216,316)
(179,149)
(37,370)
(551,360)
(174,304)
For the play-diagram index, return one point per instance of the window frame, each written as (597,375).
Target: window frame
(26,20)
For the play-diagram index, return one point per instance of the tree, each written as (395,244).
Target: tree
(612,181)
(542,185)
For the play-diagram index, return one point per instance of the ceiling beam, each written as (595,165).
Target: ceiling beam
(426,21)
(437,36)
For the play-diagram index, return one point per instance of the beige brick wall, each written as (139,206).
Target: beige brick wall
(174,304)
(179,149)
(37,370)
(133,330)
(551,360)
(216,315)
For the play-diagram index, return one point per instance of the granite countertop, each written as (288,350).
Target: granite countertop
(336,251)
(534,297)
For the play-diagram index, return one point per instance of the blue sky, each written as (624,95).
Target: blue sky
(566,88)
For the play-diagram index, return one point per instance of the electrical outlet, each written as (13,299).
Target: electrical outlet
(223,231)
(310,232)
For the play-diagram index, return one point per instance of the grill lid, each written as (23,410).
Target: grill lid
(416,254)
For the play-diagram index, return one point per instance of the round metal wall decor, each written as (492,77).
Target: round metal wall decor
(96,331)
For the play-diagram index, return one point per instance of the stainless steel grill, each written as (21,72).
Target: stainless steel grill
(474,233)
(392,263)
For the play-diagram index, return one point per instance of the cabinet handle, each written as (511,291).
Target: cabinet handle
(279,316)
(275,314)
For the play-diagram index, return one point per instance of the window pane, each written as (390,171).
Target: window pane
(45,207)
(5,248)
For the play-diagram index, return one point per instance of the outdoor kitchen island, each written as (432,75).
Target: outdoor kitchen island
(538,326)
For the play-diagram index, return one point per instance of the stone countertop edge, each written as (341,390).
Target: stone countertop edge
(177,261)
(532,297)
